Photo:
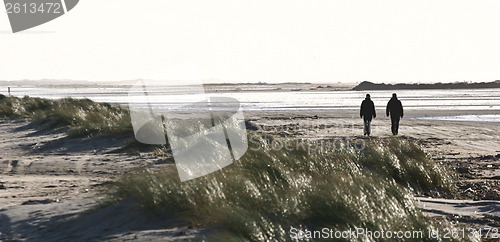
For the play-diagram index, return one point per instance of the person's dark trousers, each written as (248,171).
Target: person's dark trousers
(394,125)
(367,127)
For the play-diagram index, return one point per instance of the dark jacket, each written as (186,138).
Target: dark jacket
(367,109)
(395,108)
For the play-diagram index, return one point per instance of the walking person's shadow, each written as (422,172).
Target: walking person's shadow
(5,228)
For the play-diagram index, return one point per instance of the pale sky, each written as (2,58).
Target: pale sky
(261,40)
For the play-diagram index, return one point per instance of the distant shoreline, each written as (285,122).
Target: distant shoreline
(402,86)
(221,87)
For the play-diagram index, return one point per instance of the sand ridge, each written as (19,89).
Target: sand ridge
(47,180)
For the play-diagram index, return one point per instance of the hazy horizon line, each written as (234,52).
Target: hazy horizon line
(210,81)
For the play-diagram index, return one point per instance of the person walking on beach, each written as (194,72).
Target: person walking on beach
(395,109)
(367,112)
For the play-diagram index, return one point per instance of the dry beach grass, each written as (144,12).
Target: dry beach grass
(49,176)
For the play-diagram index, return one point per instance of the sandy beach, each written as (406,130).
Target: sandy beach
(47,179)
(240,121)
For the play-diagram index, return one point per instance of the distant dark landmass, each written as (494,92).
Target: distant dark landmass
(458,85)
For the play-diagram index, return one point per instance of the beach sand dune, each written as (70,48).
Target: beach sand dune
(48,182)
(47,179)
(470,149)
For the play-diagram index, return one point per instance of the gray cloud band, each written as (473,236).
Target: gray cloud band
(204,133)
(26,14)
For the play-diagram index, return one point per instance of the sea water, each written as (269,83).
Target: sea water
(456,99)
(495,118)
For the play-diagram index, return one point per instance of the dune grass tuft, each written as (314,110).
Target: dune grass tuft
(268,192)
(82,117)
